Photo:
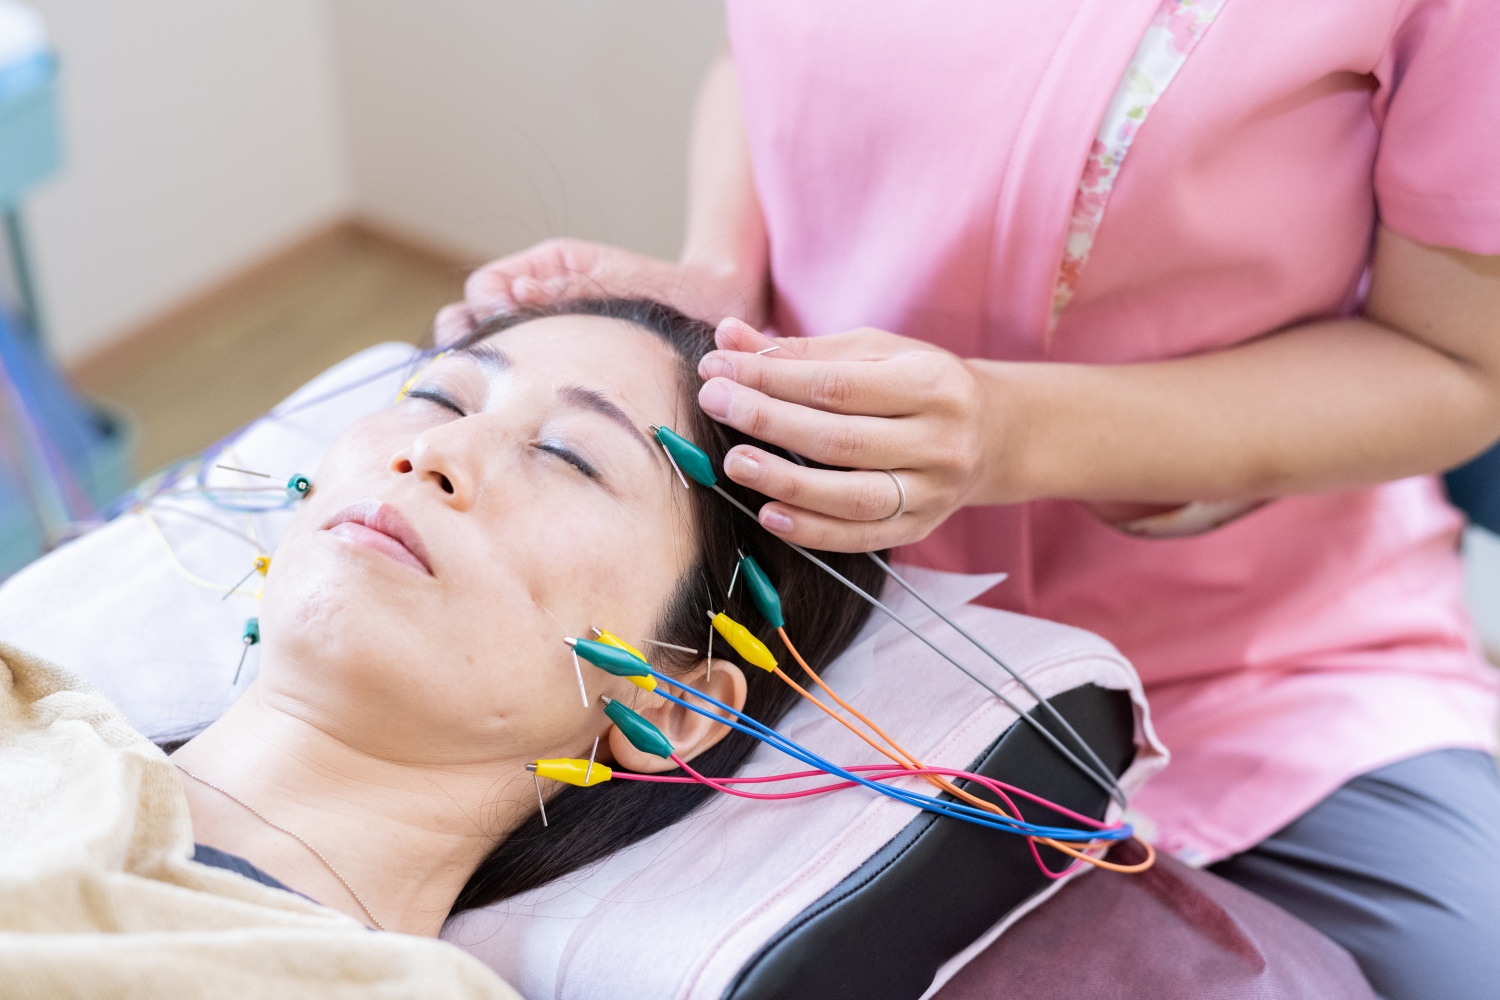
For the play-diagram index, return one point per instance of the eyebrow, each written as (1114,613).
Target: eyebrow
(495,361)
(598,402)
(489,357)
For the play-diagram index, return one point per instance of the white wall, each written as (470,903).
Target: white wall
(1482,583)
(199,136)
(485,125)
(202,136)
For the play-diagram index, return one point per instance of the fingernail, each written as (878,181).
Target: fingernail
(715,366)
(742,467)
(727,327)
(715,399)
(775,520)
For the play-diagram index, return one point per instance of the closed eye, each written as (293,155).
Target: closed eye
(560,450)
(441,399)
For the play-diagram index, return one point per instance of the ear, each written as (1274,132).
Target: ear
(691,734)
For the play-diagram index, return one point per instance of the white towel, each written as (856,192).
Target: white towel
(99,897)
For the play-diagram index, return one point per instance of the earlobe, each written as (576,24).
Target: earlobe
(689,732)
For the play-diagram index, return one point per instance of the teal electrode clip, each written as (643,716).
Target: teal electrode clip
(642,735)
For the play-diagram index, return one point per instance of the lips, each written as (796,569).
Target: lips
(379,526)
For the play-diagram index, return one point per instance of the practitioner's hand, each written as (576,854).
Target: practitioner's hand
(863,401)
(562,269)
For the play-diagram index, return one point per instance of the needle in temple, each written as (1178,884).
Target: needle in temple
(669,645)
(734,576)
(709,673)
(656,430)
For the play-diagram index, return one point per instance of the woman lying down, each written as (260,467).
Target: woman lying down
(412,665)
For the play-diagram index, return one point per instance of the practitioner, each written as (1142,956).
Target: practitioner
(1171,311)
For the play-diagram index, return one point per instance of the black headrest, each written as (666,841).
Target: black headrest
(940,883)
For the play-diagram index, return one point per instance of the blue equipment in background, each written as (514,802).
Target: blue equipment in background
(60,459)
(1475,489)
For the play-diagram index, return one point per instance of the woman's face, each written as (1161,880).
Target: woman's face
(416,609)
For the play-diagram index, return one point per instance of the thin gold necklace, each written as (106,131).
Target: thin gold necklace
(315,852)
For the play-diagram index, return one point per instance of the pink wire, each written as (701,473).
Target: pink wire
(884,772)
(879,772)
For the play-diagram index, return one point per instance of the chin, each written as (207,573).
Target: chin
(339,627)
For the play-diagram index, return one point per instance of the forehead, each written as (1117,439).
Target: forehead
(631,364)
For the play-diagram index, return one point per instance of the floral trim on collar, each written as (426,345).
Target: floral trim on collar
(1174,31)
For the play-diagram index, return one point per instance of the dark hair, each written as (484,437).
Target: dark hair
(589,824)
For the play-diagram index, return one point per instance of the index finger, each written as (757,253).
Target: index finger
(889,387)
(861,344)
(536,274)
(737,335)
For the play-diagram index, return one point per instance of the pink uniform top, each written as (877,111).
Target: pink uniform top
(918,165)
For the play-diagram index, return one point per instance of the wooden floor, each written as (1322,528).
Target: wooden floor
(200,373)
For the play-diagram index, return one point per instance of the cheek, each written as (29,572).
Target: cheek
(616,572)
(363,449)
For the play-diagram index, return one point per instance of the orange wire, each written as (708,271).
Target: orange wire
(909,761)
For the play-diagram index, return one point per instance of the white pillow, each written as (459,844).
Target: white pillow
(676,915)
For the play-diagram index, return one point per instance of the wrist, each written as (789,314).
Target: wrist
(1010,471)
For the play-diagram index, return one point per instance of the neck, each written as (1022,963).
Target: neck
(405,836)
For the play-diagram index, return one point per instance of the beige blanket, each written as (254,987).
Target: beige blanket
(98,897)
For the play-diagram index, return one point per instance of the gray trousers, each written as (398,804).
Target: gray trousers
(1401,866)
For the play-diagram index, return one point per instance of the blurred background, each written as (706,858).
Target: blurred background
(250,191)
(239,194)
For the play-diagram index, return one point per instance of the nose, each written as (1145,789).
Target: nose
(437,460)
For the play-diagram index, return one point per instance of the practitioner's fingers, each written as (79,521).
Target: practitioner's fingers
(814,530)
(453,323)
(864,401)
(517,279)
(558,269)
(861,344)
(897,386)
(849,496)
(861,442)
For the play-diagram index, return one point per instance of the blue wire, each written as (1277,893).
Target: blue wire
(929,803)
